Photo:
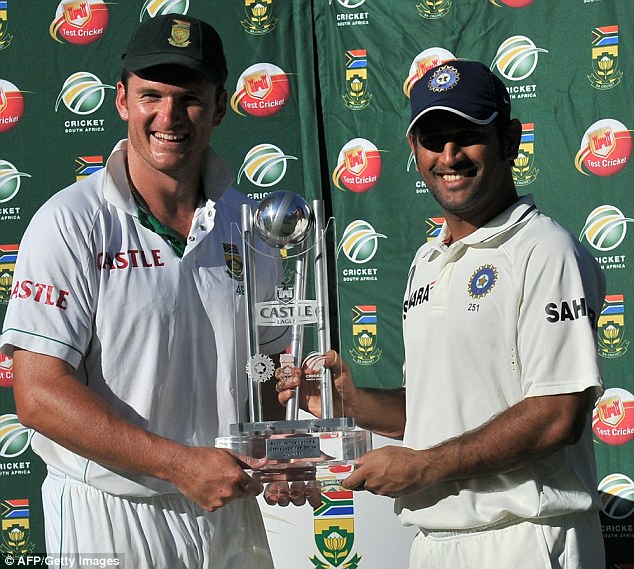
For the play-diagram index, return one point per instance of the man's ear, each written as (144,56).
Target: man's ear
(121,102)
(513,138)
(413,144)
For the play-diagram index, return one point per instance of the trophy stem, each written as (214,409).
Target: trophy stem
(323,306)
(248,241)
(297,331)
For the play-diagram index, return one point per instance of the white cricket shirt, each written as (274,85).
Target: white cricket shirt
(160,338)
(506,313)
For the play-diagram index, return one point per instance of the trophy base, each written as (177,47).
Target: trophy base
(296,449)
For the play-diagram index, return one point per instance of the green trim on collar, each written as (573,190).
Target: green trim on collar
(150,222)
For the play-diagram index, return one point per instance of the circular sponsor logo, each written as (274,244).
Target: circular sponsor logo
(605,227)
(9,181)
(617,495)
(358,166)
(482,281)
(359,242)
(517,58)
(264,165)
(613,417)
(444,78)
(82,93)
(606,148)
(14,437)
(152,8)
(79,22)
(423,62)
(11,106)
(261,91)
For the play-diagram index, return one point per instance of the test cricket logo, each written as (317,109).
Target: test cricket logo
(81,22)
(357,96)
(260,19)
(613,417)
(517,58)
(235,266)
(617,495)
(5,36)
(153,8)
(358,166)
(605,58)
(262,91)
(364,333)
(6,371)
(423,62)
(512,3)
(524,171)
(9,181)
(82,93)
(606,148)
(15,530)
(333,522)
(8,257)
(434,9)
(612,343)
(264,165)
(11,106)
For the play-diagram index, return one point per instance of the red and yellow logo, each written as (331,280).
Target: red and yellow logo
(262,91)
(613,417)
(80,22)
(358,166)
(423,62)
(606,148)
(11,106)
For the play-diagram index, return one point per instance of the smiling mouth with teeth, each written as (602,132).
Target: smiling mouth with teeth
(169,137)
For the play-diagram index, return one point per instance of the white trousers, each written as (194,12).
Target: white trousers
(566,542)
(160,532)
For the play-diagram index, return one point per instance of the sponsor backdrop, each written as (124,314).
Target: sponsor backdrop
(318,105)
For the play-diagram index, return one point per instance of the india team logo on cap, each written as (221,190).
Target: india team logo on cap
(11,106)
(606,148)
(444,78)
(80,22)
(423,62)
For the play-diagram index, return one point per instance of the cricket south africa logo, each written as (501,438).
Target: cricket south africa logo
(605,58)
(11,106)
(5,36)
(80,22)
(262,90)
(82,93)
(153,8)
(524,170)
(260,19)
(16,529)
(357,96)
(359,242)
(611,325)
(605,228)
(14,437)
(423,62)
(366,349)
(358,166)
(8,257)
(9,181)
(434,9)
(617,495)
(264,165)
(517,58)
(606,148)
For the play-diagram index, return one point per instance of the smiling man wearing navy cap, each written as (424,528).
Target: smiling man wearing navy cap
(501,367)
(131,374)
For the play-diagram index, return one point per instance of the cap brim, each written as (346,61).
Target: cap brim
(475,120)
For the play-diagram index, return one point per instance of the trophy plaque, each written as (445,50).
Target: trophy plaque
(295,448)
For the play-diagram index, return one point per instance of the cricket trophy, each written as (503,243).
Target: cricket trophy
(295,448)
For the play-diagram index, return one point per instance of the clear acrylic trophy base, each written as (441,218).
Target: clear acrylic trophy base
(296,449)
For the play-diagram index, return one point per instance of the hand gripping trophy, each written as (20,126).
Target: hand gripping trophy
(294,447)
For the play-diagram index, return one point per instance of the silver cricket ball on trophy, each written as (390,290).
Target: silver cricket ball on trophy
(283,219)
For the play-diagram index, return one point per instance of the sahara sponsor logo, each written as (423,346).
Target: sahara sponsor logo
(5,36)
(357,97)
(262,90)
(604,230)
(434,9)
(366,349)
(512,3)
(613,417)
(260,19)
(11,106)
(6,371)
(80,22)
(516,60)
(423,62)
(264,165)
(605,58)
(523,169)
(333,522)
(612,341)
(358,166)
(606,148)
(153,8)
(16,530)
(8,257)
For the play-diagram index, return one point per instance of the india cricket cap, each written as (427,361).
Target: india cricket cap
(176,39)
(467,88)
